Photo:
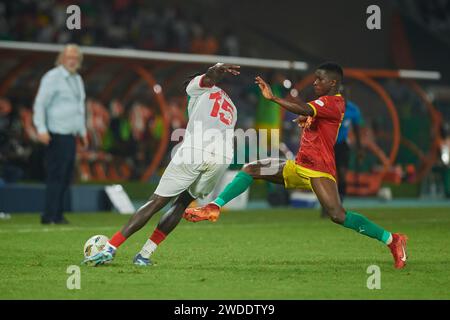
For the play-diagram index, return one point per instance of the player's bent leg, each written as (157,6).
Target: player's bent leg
(267,169)
(328,196)
(172,217)
(144,213)
(176,178)
(270,169)
(136,222)
(341,173)
(166,224)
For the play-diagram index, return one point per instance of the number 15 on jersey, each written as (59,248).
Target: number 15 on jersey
(224,111)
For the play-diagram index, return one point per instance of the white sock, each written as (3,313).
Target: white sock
(389,240)
(217,204)
(148,248)
(110,245)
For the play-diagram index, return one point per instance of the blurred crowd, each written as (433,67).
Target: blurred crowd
(119,23)
(15,149)
(433,14)
(436,14)
(122,140)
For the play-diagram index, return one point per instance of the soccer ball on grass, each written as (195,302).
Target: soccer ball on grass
(94,245)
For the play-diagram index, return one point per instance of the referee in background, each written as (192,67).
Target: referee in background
(59,117)
(352,118)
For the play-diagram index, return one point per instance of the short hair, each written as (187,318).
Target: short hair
(61,54)
(332,67)
(189,79)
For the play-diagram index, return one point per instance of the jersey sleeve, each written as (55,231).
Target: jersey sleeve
(196,87)
(325,108)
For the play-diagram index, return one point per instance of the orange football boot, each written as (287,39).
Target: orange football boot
(398,249)
(209,212)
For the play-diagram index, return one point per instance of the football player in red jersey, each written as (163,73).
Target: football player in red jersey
(314,166)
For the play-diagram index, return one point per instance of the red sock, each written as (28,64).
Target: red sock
(157,236)
(117,239)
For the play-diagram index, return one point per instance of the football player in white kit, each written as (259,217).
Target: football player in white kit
(195,169)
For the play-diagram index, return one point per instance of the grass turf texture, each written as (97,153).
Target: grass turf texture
(271,254)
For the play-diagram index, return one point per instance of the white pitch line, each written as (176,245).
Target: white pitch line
(63,229)
(262,224)
(208,226)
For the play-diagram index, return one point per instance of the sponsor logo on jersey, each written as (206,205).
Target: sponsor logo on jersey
(319,102)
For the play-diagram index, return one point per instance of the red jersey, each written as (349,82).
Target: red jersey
(317,144)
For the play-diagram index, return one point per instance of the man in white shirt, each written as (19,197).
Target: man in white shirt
(196,167)
(59,116)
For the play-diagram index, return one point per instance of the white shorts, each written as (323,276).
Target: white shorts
(198,179)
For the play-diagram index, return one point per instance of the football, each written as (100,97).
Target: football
(94,245)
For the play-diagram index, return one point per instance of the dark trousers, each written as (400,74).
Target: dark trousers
(60,162)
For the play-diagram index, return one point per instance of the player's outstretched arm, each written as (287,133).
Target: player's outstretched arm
(300,107)
(217,71)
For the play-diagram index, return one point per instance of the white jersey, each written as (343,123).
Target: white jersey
(207,148)
(212,117)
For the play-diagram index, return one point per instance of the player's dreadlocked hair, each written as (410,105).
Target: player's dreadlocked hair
(333,67)
(189,78)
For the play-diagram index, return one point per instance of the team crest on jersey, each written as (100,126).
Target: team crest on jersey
(319,102)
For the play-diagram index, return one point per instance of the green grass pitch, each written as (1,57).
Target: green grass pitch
(264,254)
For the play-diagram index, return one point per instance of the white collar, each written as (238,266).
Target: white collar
(65,72)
